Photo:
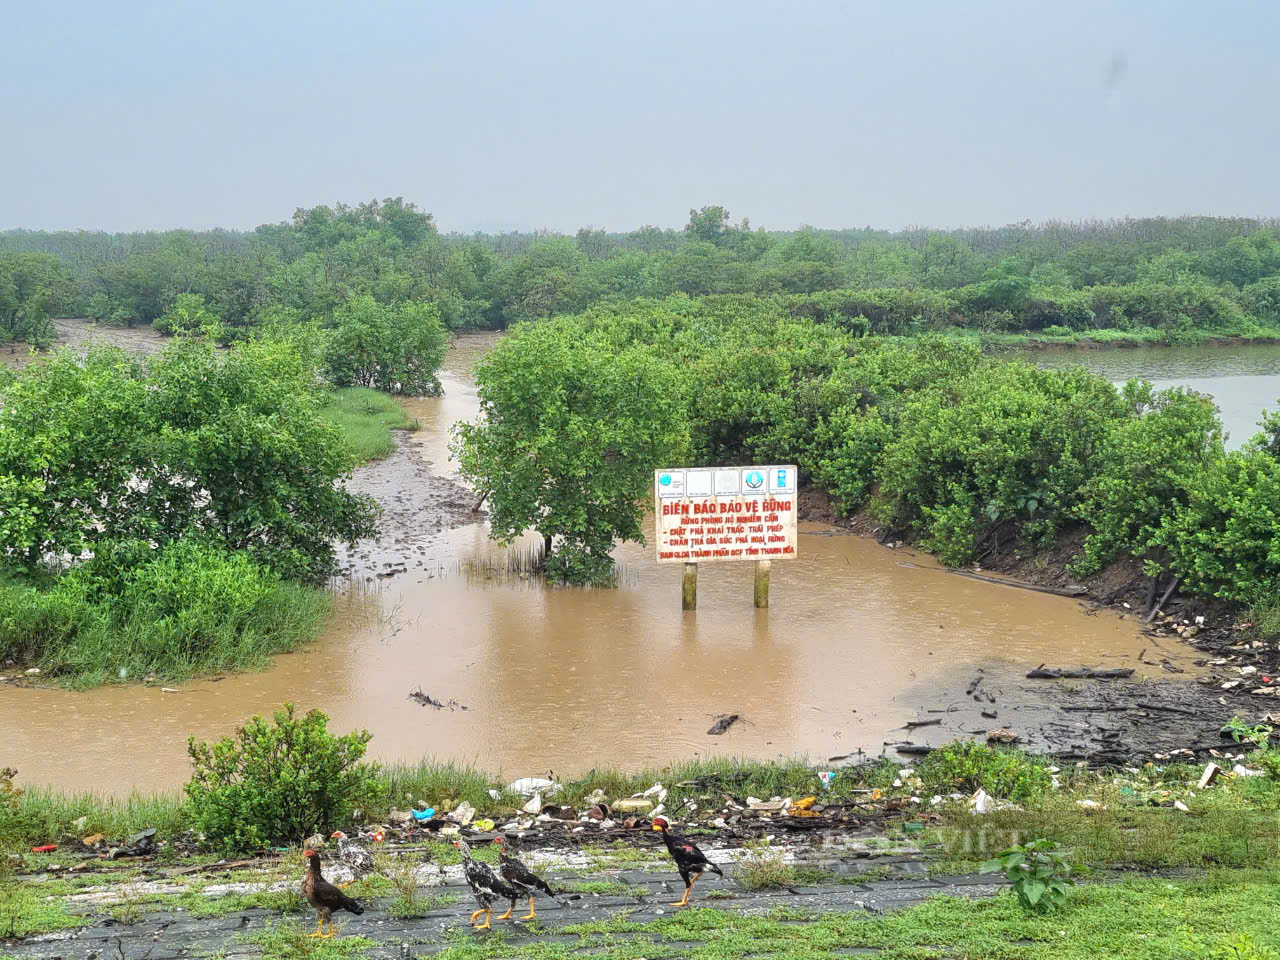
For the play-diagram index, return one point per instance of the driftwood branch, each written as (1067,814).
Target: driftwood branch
(1057,591)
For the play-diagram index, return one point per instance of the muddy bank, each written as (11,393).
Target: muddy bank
(80,333)
(418,507)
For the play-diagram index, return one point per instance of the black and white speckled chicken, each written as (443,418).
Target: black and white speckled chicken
(486,885)
(520,877)
(690,861)
(354,856)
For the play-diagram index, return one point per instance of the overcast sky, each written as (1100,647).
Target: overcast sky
(128,115)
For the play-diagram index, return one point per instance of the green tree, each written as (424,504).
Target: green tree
(396,348)
(232,448)
(33,288)
(570,431)
(189,314)
(708,225)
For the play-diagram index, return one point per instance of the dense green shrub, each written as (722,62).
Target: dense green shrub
(1148,461)
(887,310)
(189,314)
(278,782)
(1223,540)
(966,765)
(1006,446)
(1185,303)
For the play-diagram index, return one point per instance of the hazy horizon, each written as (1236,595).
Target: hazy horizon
(501,116)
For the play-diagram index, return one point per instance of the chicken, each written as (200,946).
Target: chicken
(520,877)
(690,861)
(485,884)
(355,856)
(324,896)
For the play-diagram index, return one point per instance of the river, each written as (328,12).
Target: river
(1242,379)
(859,639)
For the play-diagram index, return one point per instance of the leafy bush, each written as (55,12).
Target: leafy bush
(189,314)
(1222,541)
(888,310)
(1146,465)
(1004,447)
(280,782)
(1039,874)
(966,765)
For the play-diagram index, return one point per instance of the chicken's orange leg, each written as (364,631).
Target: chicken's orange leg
(330,935)
(687,890)
(488,916)
(319,926)
(476,914)
(507,915)
(530,915)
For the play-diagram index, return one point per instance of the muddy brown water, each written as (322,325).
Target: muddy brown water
(859,639)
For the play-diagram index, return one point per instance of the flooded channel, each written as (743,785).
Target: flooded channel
(859,640)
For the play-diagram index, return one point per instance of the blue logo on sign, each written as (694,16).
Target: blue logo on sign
(782,478)
(665,479)
(755,479)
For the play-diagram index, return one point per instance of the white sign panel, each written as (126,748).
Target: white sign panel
(721,514)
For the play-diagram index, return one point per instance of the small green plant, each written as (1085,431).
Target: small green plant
(1242,732)
(762,868)
(1038,872)
(273,783)
(402,873)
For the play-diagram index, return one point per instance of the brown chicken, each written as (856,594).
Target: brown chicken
(324,896)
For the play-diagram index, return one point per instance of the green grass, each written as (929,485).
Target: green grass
(26,911)
(1227,915)
(292,941)
(435,782)
(44,815)
(419,905)
(1236,822)
(84,642)
(366,418)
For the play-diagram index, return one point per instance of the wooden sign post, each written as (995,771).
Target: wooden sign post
(762,583)
(689,589)
(725,514)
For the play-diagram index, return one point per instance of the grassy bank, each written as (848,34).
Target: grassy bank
(366,418)
(1141,337)
(236,618)
(1107,819)
(1223,915)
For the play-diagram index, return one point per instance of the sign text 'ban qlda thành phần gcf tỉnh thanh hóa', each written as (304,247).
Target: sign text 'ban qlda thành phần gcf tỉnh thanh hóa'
(719,514)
